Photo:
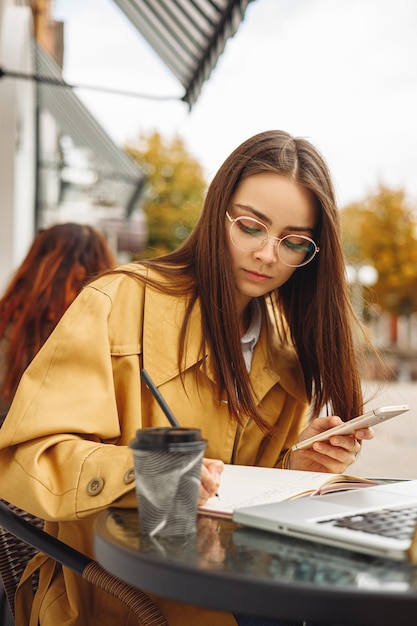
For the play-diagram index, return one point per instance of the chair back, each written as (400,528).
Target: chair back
(22,536)
(14,556)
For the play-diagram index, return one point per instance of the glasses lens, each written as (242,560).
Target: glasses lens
(248,234)
(296,250)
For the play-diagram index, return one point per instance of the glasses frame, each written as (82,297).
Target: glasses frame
(278,240)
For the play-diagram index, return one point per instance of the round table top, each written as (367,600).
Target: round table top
(229,567)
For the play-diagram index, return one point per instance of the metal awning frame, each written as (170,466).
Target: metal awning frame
(188,35)
(109,161)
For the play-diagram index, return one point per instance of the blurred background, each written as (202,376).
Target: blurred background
(117,114)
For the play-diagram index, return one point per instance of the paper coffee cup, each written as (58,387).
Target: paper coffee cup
(167,465)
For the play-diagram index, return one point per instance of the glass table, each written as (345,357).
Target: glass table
(228,567)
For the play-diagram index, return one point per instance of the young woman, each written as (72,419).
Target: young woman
(247,332)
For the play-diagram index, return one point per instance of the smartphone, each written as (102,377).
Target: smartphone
(371,418)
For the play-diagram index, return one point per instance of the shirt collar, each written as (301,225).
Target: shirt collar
(251,336)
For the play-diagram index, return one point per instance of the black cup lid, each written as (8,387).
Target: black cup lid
(162,437)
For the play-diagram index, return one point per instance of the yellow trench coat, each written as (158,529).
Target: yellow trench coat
(79,405)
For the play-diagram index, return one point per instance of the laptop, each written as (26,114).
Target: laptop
(380,520)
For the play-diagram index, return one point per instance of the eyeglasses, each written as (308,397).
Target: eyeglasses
(248,234)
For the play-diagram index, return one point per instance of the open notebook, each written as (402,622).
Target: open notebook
(243,486)
(380,520)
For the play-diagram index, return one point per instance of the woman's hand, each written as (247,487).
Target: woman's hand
(334,455)
(211,470)
(209,547)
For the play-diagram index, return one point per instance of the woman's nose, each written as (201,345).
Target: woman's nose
(269,252)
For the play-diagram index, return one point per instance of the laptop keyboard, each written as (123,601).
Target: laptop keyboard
(399,523)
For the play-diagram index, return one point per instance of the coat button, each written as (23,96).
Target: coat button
(95,486)
(129,476)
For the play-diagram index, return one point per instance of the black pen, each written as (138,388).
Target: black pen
(160,400)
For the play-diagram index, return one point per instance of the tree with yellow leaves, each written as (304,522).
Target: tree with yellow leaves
(382,231)
(174,192)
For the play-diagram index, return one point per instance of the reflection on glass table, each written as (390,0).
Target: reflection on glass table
(230,567)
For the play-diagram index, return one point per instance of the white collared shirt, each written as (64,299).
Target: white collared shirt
(251,336)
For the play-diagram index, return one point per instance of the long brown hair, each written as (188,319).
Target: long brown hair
(61,260)
(314,302)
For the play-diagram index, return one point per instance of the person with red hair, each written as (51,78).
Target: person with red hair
(60,261)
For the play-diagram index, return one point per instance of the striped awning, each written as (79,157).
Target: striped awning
(114,169)
(188,35)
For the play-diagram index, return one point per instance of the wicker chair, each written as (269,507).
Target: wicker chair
(22,536)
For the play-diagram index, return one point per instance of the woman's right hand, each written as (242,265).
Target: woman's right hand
(211,471)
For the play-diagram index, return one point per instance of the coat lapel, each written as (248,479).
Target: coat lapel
(163,316)
(272,362)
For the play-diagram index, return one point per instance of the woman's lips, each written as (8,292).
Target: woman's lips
(256,277)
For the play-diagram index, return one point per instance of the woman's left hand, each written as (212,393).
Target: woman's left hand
(334,455)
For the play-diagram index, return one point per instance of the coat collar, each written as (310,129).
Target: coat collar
(162,319)
(272,362)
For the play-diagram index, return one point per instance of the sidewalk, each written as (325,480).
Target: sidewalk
(393,451)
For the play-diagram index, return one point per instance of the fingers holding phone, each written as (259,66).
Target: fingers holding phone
(330,445)
(358,426)
(326,454)
(339,450)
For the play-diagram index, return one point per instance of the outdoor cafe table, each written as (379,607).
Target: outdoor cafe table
(229,567)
